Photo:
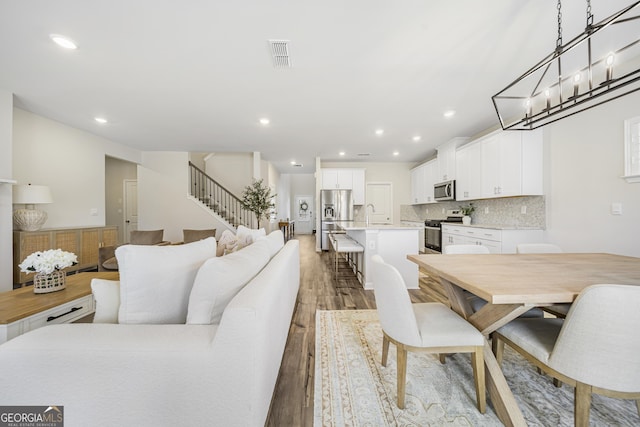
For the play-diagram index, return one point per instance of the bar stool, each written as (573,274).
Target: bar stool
(350,250)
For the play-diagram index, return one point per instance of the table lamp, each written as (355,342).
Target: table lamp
(30,218)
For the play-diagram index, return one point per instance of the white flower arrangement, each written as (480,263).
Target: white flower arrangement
(48,261)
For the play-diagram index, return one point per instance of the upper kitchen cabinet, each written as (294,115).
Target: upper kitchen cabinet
(422,179)
(447,159)
(469,172)
(512,164)
(345,179)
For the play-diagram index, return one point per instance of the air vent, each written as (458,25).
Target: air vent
(364,154)
(280,53)
(297,165)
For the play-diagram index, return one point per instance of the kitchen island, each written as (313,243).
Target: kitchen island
(393,242)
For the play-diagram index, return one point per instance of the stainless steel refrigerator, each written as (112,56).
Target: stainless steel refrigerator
(336,206)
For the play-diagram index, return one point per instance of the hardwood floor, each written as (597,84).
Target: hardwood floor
(292,403)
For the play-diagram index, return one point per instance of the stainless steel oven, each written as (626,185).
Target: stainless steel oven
(433,235)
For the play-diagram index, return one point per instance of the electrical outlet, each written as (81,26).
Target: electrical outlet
(427,211)
(523,210)
(616,208)
(372,245)
(443,210)
(486,210)
(93,211)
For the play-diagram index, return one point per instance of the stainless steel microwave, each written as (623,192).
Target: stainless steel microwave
(444,191)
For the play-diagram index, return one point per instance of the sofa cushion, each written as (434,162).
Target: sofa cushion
(107,296)
(221,278)
(275,240)
(155,281)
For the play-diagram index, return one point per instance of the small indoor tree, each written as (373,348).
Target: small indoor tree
(257,198)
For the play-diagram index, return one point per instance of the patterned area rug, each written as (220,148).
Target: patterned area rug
(353,389)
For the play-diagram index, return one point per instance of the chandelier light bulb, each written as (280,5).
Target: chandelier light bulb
(576,84)
(609,62)
(547,95)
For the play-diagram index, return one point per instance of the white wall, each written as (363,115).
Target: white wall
(163,203)
(70,161)
(233,171)
(6,191)
(584,163)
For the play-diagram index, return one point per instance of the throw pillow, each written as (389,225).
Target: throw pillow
(107,296)
(249,235)
(220,279)
(227,243)
(155,281)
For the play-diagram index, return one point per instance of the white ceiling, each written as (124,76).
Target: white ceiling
(196,75)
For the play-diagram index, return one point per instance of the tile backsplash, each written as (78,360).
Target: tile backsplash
(508,211)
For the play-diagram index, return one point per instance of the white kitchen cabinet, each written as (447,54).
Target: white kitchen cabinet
(469,172)
(422,180)
(345,179)
(358,186)
(512,164)
(447,160)
(495,239)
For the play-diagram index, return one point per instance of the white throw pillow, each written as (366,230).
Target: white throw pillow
(275,240)
(248,235)
(227,243)
(155,281)
(107,296)
(221,278)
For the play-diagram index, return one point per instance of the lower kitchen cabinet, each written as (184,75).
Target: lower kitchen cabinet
(497,240)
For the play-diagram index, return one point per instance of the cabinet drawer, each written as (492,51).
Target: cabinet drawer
(65,313)
(484,233)
(453,229)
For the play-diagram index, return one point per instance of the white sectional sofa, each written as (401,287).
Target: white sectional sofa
(163,374)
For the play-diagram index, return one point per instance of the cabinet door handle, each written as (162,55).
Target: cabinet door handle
(51,318)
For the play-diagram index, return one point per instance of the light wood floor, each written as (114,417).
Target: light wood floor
(292,403)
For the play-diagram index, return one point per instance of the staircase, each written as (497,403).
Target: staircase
(217,198)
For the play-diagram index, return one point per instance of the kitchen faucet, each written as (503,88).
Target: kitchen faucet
(366,217)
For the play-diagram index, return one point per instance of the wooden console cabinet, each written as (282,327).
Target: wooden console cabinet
(84,242)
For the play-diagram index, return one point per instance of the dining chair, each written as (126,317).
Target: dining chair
(558,310)
(427,327)
(475,301)
(595,349)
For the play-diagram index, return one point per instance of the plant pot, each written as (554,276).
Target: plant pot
(45,283)
(466,220)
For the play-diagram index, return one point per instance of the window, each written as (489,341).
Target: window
(632,149)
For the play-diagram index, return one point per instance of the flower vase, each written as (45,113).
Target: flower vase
(44,283)
(466,220)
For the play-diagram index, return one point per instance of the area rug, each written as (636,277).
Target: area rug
(352,388)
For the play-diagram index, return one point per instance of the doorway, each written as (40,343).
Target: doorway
(130,217)
(303,214)
(380,197)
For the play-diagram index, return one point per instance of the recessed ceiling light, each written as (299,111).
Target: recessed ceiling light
(342,153)
(100,120)
(396,153)
(264,121)
(416,138)
(293,162)
(449,113)
(63,41)
(379,132)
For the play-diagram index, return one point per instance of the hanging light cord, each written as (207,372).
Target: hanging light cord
(559,40)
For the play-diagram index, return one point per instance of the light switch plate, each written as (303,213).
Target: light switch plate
(616,208)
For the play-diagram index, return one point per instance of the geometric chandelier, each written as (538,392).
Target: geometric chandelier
(599,65)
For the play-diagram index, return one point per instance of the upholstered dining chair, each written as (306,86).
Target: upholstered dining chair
(426,327)
(475,301)
(189,236)
(595,349)
(558,310)
(107,254)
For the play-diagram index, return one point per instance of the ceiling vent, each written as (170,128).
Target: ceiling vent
(280,53)
(364,154)
(297,165)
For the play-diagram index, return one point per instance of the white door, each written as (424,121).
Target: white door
(130,208)
(303,214)
(380,197)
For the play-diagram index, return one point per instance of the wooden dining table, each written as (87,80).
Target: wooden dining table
(513,284)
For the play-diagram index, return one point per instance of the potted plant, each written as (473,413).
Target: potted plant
(257,198)
(467,211)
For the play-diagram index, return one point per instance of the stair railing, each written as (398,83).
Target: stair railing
(218,199)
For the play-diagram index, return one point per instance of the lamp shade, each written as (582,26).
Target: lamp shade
(31,194)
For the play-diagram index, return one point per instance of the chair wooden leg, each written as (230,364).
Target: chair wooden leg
(638,405)
(557,383)
(443,358)
(477,361)
(385,349)
(402,374)
(582,404)
(497,347)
